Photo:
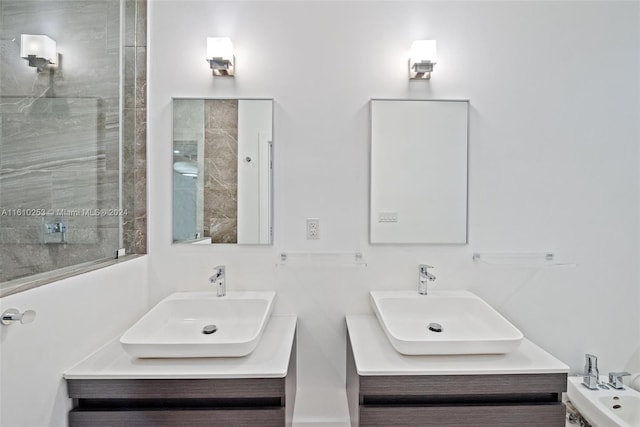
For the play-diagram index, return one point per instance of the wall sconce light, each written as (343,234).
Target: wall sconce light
(220,56)
(423,58)
(39,50)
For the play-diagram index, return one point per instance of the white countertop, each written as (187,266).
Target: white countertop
(270,359)
(374,355)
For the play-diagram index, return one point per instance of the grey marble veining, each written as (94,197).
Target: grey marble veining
(223,230)
(24,189)
(221,170)
(134,182)
(141,77)
(33,173)
(21,235)
(21,260)
(51,161)
(140,142)
(140,235)
(129,77)
(50,133)
(221,114)
(141,23)
(129,138)
(134,72)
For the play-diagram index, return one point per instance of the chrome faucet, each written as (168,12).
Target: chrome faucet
(615,379)
(218,279)
(423,277)
(591,374)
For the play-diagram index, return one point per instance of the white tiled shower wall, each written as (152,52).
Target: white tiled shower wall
(553,165)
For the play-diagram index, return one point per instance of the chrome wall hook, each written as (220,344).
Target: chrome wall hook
(13,315)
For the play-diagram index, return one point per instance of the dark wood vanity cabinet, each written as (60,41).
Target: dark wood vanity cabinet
(175,402)
(492,400)
(211,402)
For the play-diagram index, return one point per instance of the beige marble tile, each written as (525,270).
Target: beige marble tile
(223,230)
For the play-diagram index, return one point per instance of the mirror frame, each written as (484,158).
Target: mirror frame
(194,242)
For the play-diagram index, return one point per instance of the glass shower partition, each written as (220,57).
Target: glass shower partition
(60,137)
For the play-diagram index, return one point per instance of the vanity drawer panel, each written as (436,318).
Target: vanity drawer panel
(176,388)
(262,417)
(446,385)
(464,416)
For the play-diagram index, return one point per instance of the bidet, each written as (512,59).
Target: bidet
(605,407)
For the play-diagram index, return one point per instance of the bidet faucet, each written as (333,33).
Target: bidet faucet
(423,277)
(218,279)
(615,379)
(591,374)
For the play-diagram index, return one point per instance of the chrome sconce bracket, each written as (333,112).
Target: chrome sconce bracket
(222,67)
(420,70)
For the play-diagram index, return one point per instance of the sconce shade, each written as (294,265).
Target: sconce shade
(38,49)
(220,56)
(422,59)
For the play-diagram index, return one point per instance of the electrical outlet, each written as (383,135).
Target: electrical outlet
(313,228)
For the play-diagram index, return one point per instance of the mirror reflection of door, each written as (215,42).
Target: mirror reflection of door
(222,171)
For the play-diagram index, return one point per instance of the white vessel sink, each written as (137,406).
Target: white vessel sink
(174,327)
(468,324)
(605,408)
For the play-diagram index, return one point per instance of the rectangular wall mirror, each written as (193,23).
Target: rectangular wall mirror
(222,171)
(418,171)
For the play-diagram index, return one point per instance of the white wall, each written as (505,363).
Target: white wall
(553,160)
(74,317)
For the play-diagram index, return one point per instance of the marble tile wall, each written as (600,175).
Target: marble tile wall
(60,135)
(221,170)
(134,156)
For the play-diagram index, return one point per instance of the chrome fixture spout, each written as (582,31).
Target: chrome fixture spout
(615,379)
(591,373)
(423,278)
(218,279)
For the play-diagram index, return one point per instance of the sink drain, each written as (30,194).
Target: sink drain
(435,327)
(209,329)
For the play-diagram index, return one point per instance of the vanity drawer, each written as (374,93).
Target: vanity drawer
(111,388)
(258,417)
(552,415)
